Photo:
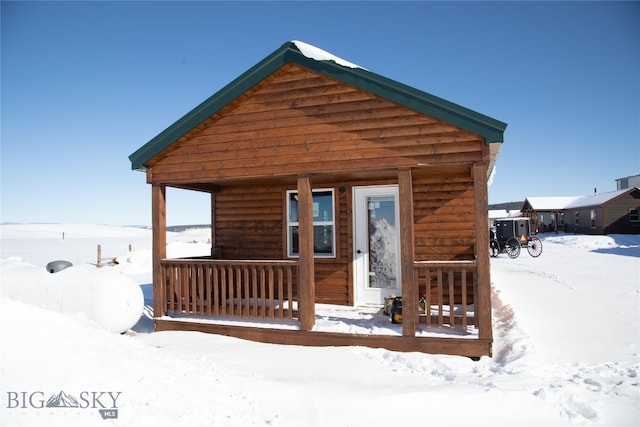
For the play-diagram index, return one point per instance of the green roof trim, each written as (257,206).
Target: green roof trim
(492,130)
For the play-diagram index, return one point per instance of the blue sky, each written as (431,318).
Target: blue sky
(85,84)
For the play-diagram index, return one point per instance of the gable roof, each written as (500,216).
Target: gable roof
(599,198)
(573,202)
(322,62)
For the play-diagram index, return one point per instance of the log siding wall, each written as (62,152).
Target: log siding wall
(297,121)
(444,216)
(249,222)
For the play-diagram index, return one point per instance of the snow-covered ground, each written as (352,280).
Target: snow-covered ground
(566,350)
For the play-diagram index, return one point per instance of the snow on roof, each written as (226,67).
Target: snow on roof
(596,198)
(503,213)
(551,203)
(560,203)
(318,54)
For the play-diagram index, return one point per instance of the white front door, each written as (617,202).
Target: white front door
(376,243)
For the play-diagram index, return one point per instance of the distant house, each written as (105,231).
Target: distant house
(329,184)
(628,182)
(546,213)
(614,212)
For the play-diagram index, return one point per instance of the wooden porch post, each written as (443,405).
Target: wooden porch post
(306,283)
(409,284)
(214,253)
(159,225)
(482,251)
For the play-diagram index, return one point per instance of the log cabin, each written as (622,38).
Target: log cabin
(329,185)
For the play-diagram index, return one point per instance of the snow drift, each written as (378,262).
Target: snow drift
(566,348)
(111,299)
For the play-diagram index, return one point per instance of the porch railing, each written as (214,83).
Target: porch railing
(266,289)
(228,288)
(450,292)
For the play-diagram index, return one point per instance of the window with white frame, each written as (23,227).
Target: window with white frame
(324,242)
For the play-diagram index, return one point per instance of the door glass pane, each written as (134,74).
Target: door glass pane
(382,241)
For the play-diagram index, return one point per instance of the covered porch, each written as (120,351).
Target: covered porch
(274,300)
(244,302)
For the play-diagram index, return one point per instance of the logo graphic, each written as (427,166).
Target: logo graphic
(62,400)
(106,402)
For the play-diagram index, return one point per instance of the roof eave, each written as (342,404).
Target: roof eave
(209,107)
(491,129)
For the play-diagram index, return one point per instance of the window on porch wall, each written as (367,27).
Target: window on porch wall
(323,224)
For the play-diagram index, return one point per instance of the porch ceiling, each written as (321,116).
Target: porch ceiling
(289,180)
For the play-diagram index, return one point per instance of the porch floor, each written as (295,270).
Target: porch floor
(364,320)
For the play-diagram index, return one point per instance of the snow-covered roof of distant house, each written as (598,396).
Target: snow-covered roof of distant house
(571,202)
(503,213)
(550,203)
(597,198)
(322,62)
